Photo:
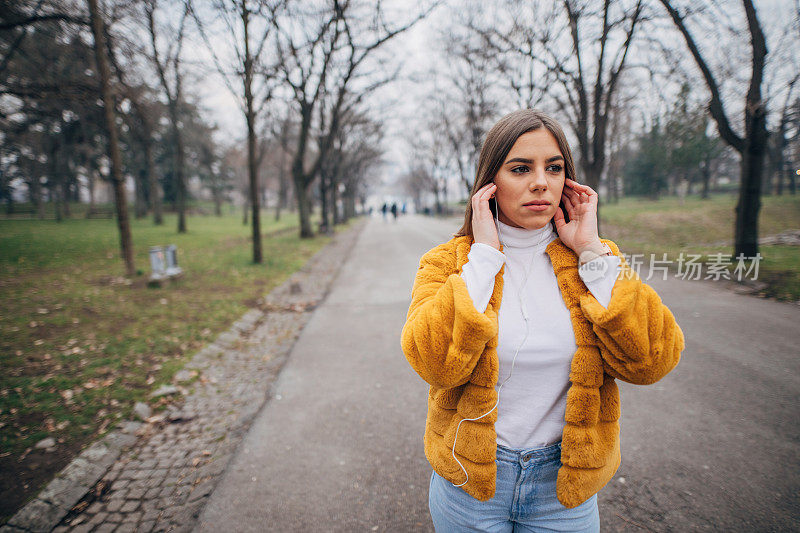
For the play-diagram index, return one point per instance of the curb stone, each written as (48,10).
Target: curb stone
(177,506)
(70,485)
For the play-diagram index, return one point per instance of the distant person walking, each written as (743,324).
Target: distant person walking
(394,211)
(535,460)
(383,210)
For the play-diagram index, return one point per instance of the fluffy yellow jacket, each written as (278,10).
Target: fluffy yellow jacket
(453,347)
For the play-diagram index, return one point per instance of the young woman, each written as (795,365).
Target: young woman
(523,416)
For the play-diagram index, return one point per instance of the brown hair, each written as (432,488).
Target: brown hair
(498,143)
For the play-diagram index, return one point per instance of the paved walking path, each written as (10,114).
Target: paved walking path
(339,446)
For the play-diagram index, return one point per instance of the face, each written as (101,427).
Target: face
(533,171)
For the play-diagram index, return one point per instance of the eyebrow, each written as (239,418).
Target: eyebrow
(529,161)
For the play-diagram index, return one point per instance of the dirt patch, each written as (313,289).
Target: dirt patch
(20,480)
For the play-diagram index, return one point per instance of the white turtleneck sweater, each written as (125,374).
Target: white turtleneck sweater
(533,401)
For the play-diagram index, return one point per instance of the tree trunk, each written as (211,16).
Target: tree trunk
(116,160)
(752,165)
(349,202)
(217,193)
(349,206)
(302,181)
(57,201)
(154,186)
(250,116)
(325,223)
(706,178)
(253,173)
(337,217)
(282,189)
(180,182)
(92,178)
(65,196)
(780,163)
(36,196)
(303,206)
(54,183)
(140,207)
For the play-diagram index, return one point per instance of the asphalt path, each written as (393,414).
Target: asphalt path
(713,446)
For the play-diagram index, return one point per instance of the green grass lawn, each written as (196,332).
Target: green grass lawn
(706,227)
(79,344)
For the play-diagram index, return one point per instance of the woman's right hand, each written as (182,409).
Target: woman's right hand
(483,227)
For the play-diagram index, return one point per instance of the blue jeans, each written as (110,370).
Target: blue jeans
(524,500)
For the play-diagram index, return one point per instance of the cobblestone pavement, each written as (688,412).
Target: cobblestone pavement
(162,482)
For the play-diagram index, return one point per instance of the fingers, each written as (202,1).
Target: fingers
(480,200)
(559,218)
(579,196)
(568,204)
(480,192)
(574,185)
(488,192)
(572,195)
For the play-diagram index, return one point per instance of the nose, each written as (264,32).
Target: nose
(538,180)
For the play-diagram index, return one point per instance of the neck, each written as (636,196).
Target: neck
(514,237)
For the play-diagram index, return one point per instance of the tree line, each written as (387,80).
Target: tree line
(657,96)
(103,91)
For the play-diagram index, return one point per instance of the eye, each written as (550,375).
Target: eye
(556,168)
(515,169)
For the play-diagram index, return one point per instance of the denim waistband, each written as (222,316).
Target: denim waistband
(530,455)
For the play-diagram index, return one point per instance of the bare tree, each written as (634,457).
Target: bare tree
(356,149)
(781,81)
(467,105)
(777,150)
(247,26)
(323,68)
(168,65)
(514,50)
(286,128)
(126,243)
(753,144)
(145,116)
(433,162)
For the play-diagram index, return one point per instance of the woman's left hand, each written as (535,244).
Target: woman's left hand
(580,233)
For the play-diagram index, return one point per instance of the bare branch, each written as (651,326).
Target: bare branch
(715,106)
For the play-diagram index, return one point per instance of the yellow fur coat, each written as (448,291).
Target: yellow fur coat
(453,348)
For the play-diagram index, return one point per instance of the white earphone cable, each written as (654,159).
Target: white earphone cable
(525,317)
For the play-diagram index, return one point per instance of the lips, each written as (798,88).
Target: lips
(538,202)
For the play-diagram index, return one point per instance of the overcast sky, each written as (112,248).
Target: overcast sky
(418,48)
